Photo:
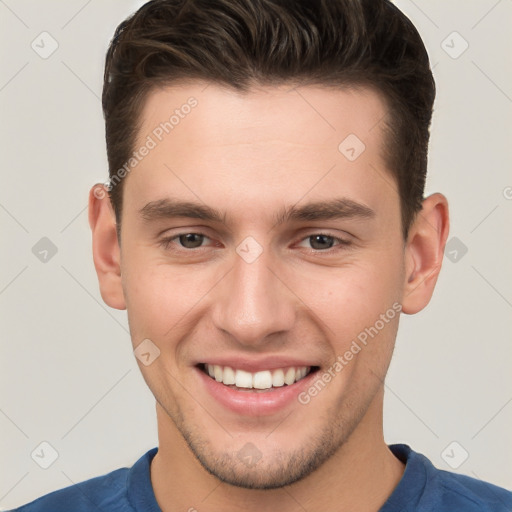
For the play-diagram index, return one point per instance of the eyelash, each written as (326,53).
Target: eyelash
(166,242)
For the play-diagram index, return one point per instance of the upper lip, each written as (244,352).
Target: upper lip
(258,364)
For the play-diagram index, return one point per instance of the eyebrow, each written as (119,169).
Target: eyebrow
(332,209)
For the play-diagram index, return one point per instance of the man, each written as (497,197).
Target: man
(264,227)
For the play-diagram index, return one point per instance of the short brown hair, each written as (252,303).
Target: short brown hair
(241,43)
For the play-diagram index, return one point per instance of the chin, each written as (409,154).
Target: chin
(283,470)
(249,467)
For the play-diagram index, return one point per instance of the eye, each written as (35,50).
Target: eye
(318,242)
(185,240)
(324,242)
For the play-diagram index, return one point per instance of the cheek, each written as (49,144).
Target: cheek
(161,299)
(360,314)
(350,299)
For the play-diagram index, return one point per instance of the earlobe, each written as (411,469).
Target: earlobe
(424,253)
(105,247)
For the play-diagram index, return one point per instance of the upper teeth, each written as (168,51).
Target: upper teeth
(258,380)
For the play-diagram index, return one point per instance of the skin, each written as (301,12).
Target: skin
(249,156)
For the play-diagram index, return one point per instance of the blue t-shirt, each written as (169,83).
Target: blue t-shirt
(423,488)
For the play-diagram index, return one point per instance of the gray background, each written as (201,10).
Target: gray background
(68,376)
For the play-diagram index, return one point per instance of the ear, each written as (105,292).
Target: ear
(105,247)
(424,253)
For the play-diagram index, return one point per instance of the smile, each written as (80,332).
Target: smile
(262,380)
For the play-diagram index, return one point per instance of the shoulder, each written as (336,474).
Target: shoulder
(122,490)
(470,494)
(427,488)
(105,493)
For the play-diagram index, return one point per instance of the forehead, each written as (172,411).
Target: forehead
(312,115)
(261,148)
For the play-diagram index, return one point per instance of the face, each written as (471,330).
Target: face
(258,244)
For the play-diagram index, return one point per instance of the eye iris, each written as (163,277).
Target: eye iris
(323,239)
(191,240)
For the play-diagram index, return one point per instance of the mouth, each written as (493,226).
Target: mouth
(263,381)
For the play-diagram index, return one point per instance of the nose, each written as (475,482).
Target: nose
(254,302)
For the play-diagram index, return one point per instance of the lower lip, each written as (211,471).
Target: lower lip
(255,403)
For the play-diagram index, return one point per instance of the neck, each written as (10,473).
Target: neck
(360,476)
